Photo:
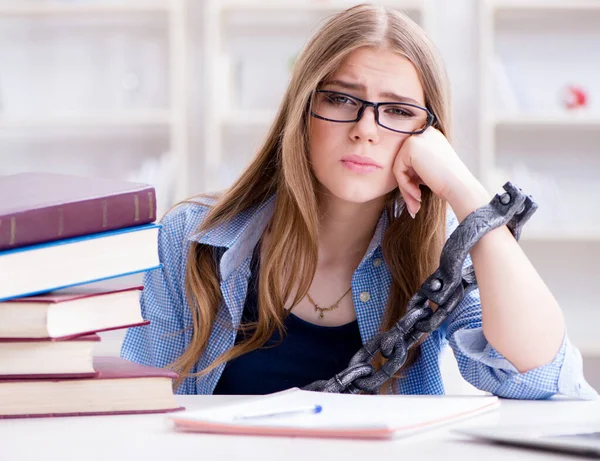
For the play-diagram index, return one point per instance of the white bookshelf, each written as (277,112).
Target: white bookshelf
(286,18)
(526,136)
(115,120)
(501,128)
(167,18)
(48,7)
(313,5)
(551,122)
(260,119)
(544,5)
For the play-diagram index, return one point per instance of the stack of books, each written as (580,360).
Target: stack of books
(67,245)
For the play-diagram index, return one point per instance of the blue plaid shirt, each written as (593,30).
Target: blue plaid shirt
(169,332)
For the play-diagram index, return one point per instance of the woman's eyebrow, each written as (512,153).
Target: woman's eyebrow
(386,94)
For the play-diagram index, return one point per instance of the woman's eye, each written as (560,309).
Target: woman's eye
(398,112)
(340,100)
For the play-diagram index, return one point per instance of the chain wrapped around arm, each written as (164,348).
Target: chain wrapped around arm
(446,287)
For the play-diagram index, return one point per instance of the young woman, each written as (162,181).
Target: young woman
(336,223)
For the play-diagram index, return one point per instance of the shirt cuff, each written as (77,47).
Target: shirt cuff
(564,375)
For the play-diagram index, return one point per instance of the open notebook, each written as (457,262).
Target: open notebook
(290,413)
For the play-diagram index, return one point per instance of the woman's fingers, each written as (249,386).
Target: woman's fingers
(408,181)
(412,174)
(412,204)
(409,184)
(410,193)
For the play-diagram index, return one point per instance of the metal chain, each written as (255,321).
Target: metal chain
(446,287)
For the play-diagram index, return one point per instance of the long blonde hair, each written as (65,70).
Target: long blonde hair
(411,248)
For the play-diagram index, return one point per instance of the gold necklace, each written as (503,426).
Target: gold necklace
(330,308)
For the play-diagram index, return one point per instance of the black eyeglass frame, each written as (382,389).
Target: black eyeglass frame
(375,105)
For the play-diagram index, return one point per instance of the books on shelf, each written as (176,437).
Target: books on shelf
(119,387)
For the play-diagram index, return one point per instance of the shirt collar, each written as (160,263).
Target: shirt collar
(241,235)
(227,234)
(377,238)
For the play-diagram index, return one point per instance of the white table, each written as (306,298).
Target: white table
(150,437)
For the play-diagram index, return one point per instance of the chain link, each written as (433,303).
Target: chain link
(446,287)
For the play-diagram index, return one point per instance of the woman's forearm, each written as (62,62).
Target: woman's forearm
(521,318)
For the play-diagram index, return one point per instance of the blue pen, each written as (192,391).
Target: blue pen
(284,412)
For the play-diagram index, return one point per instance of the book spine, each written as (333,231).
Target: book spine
(50,376)
(77,218)
(92,413)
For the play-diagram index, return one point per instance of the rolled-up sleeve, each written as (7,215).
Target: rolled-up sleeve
(488,370)
(162,341)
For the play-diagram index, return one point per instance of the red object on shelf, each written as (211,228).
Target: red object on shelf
(575,97)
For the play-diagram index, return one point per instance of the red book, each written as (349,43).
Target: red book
(43,207)
(120,387)
(45,358)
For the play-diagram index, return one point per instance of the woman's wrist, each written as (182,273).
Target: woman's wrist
(467,196)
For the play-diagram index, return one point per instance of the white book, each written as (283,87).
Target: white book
(75,261)
(295,412)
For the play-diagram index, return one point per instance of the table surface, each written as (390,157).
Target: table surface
(152,437)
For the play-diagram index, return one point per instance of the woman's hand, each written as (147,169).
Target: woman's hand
(429,159)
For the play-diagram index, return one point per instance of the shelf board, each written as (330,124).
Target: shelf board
(244,118)
(545,5)
(558,121)
(589,349)
(312,5)
(32,8)
(561,236)
(150,118)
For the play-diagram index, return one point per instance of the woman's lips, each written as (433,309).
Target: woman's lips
(360,165)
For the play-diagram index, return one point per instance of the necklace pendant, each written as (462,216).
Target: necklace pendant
(321,314)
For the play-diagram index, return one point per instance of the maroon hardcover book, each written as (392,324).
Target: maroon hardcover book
(43,207)
(108,368)
(89,337)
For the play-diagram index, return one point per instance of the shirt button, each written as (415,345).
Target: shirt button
(365,296)
(377,262)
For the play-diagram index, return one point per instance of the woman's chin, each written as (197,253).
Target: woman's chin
(357,193)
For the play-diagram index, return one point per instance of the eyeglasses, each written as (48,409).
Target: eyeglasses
(400,117)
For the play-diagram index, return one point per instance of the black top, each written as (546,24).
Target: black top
(307,353)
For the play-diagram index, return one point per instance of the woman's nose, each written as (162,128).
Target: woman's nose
(366,127)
